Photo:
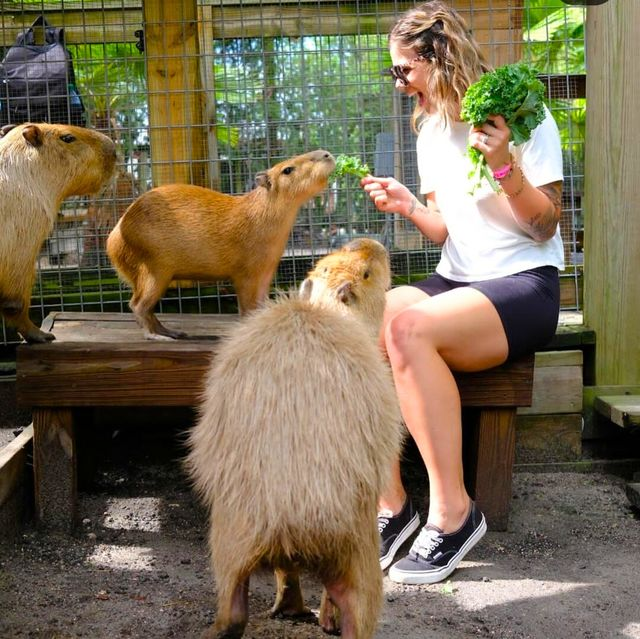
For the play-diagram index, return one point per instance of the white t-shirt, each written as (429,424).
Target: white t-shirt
(484,240)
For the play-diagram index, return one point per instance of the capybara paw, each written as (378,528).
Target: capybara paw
(234,631)
(37,336)
(288,611)
(329,621)
(330,628)
(158,337)
(329,617)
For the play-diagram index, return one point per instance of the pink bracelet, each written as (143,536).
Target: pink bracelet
(502,172)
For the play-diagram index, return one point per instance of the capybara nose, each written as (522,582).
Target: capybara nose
(323,156)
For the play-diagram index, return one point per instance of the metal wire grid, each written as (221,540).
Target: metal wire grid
(271,96)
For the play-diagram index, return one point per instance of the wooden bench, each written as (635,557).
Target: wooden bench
(101,359)
(621,406)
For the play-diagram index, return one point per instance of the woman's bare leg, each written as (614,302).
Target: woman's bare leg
(429,337)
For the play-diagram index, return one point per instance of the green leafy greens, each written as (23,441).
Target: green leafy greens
(512,91)
(350,165)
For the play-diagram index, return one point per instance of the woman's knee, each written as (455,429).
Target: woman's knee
(407,333)
(398,300)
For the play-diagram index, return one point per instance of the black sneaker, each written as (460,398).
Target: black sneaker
(394,531)
(434,555)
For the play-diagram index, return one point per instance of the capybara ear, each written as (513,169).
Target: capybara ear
(6,128)
(32,134)
(344,293)
(305,289)
(262,179)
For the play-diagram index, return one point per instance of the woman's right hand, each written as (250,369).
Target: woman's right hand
(389,195)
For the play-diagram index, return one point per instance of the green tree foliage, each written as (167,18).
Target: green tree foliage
(555,44)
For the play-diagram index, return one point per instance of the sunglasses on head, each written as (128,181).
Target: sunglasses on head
(400,71)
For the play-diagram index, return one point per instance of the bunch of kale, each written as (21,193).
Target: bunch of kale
(512,91)
(350,165)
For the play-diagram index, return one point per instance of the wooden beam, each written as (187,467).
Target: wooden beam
(177,127)
(13,460)
(205,34)
(612,191)
(593,428)
(492,21)
(622,410)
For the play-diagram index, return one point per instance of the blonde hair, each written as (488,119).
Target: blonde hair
(439,34)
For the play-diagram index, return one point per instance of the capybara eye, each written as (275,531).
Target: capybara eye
(366,275)
(288,170)
(68,138)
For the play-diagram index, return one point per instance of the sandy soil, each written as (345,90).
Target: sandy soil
(137,565)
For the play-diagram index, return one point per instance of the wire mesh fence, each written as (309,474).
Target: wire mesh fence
(210,92)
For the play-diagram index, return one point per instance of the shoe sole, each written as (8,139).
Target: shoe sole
(418,577)
(407,531)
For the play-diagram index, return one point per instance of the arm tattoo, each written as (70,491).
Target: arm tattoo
(543,225)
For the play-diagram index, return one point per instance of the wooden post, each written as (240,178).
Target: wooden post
(178,131)
(207,75)
(488,472)
(54,466)
(612,190)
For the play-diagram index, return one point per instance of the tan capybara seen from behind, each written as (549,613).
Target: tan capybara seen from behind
(297,430)
(40,166)
(187,232)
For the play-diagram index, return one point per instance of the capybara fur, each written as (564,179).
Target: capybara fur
(40,166)
(296,433)
(188,232)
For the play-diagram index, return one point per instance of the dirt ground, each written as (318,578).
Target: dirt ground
(137,565)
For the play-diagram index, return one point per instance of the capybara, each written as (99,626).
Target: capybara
(297,429)
(187,232)
(41,165)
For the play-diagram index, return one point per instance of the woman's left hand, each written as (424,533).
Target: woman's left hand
(492,140)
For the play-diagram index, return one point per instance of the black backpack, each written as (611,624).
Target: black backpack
(37,83)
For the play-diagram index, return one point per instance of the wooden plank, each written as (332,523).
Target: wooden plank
(13,459)
(108,374)
(612,191)
(122,327)
(548,438)
(490,473)
(557,383)
(593,427)
(506,385)
(572,336)
(54,465)
(102,359)
(571,291)
(555,390)
(623,410)
(546,359)
(571,318)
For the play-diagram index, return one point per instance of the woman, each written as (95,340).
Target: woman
(495,293)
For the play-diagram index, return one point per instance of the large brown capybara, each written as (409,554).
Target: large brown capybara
(41,165)
(187,232)
(297,430)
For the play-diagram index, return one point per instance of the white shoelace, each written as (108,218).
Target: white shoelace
(426,542)
(383,519)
